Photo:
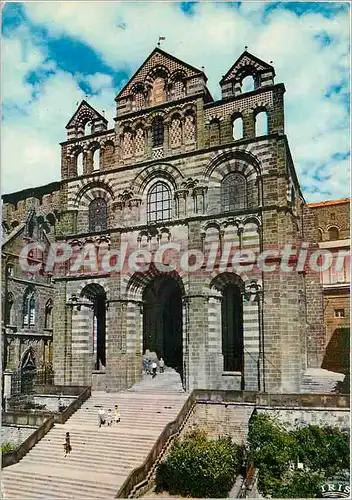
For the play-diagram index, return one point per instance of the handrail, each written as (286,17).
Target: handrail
(140,476)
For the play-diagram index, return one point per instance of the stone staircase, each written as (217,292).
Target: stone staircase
(101,458)
(319,381)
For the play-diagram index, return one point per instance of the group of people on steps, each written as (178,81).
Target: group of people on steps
(103,419)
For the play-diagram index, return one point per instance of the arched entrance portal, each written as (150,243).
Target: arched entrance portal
(95,293)
(162,321)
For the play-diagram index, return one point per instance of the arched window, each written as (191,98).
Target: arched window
(9,319)
(98,215)
(48,314)
(159,202)
(214,132)
(158,131)
(79,163)
(237,127)
(158,92)
(29,308)
(247,84)
(232,328)
(261,124)
(333,233)
(233,192)
(96,159)
(320,235)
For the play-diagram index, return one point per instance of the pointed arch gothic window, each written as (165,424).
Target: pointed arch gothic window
(98,215)
(159,202)
(29,308)
(49,314)
(233,192)
(9,319)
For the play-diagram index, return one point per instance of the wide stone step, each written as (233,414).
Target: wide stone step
(88,465)
(21,477)
(96,445)
(101,457)
(119,454)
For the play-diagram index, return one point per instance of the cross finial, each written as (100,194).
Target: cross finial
(161,38)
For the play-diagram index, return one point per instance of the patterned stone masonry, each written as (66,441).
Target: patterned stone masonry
(242,194)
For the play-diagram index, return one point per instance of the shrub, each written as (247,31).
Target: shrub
(322,451)
(200,467)
(7,447)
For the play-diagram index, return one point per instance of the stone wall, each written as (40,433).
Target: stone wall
(15,434)
(232,419)
(297,417)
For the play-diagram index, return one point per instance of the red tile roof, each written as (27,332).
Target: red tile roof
(328,202)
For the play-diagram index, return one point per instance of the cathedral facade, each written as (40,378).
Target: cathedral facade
(200,179)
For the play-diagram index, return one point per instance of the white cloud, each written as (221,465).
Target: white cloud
(124,33)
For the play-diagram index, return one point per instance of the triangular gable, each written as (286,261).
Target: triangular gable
(85,112)
(12,234)
(247,59)
(158,58)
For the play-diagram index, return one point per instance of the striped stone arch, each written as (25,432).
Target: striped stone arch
(150,118)
(134,283)
(232,161)
(108,142)
(156,71)
(188,107)
(177,110)
(221,280)
(178,73)
(211,224)
(94,144)
(214,117)
(85,283)
(157,171)
(258,107)
(252,219)
(91,189)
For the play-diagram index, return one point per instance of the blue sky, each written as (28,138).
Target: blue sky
(56,54)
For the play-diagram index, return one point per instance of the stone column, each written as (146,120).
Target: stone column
(253,368)
(196,342)
(82,325)
(181,197)
(199,193)
(214,357)
(61,334)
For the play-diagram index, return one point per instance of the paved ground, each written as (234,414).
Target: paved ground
(169,381)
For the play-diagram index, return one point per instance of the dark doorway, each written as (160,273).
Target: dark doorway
(28,371)
(232,328)
(162,321)
(95,293)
